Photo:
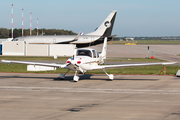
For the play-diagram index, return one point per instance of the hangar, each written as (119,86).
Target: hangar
(20,48)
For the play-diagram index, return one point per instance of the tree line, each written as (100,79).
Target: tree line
(6,33)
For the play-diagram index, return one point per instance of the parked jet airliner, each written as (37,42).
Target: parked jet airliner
(89,39)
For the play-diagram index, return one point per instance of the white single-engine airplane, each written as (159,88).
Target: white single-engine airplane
(86,59)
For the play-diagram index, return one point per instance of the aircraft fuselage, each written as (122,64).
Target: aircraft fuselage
(83,40)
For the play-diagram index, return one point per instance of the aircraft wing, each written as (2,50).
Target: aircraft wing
(131,65)
(37,63)
(75,39)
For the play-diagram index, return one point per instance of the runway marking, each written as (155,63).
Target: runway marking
(91,90)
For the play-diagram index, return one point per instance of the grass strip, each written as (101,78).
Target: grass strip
(32,58)
(146,42)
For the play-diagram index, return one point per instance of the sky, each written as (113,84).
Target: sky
(135,18)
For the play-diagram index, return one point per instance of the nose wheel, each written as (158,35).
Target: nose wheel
(75,78)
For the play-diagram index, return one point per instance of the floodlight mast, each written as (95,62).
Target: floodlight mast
(12,23)
(37,26)
(30,23)
(22,22)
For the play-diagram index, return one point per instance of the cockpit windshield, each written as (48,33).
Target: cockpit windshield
(84,53)
(14,39)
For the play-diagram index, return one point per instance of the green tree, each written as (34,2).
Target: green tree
(16,33)
(4,33)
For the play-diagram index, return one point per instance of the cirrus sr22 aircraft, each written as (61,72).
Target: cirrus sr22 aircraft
(86,59)
(89,39)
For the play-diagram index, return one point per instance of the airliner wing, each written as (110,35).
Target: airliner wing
(69,41)
(131,65)
(36,63)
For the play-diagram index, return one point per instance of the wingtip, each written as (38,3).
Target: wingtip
(169,63)
(5,61)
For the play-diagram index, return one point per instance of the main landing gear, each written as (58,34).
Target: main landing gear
(111,76)
(75,78)
(62,76)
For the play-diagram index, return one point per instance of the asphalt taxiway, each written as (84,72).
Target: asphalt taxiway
(128,97)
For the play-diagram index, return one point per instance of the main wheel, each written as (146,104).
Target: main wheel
(111,76)
(62,76)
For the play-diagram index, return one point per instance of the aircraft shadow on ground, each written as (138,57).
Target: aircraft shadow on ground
(6,77)
(176,78)
(81,77)
(104,78)
(70,77)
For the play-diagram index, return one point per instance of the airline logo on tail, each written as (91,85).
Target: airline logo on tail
(107,24)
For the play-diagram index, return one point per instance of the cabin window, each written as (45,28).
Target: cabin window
(84,53)
(94,54)
(97,54)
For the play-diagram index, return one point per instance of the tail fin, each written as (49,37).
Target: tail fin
(106,27)
(104,49)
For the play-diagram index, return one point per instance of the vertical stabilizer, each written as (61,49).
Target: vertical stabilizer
(105,29)
(104,49)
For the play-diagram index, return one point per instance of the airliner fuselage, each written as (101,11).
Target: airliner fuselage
(89,39)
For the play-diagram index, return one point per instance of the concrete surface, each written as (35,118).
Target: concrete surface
(165,52)
(128,97)
(94,97)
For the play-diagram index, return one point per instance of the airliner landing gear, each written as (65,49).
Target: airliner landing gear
(111,76)
(75,78)
(62,76)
